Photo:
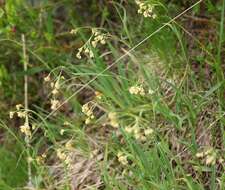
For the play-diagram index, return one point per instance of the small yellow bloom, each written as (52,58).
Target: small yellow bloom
(94,153)
(113,119)
(68,160)
(94,43)
(98,94)
(54,104)
(137,136)
(73,31)
(57,85)
(69,145)
(88,121)
(33,126)
(209,151)
(39,160)
(136,129)
(148,132)
(52,84)
(87,110)
(47,78)
(103,42)
(122,158)
(146,9)
(11,114)
(30,159)
(98,38)
(78,55)
(129,129)
(91,54)
(137,90)
(66,123)
(62,131)
(199,154)
(211,159)
(221,161)
(19,106)
(143,138)
(150,91)
(55,91)
(21,114)
(25,129)
(61,155)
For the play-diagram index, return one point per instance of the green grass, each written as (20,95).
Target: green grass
(13,166)
(181,68)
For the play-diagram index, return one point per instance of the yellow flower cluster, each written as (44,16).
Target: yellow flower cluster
(209,155)
(150,91)
(148,132)
(61,154)
(73,31)
(11,114)
(54,104)
(55,86)
(66,123)
(98,95)
(62,131)
(96,38)
(41,159)
(21,113)
(146,9)
(137,90)
(19,106)
(122,158)
(69,145)
(113,121)
(94,153)
(65,153)
(85,49)
(26,129)
(88,111)
(138,134)
(55,90)
(64,157)
(47,78)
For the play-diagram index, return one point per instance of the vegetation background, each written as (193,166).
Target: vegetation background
(112,94)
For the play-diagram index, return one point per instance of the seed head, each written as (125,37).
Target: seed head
(11,114)
(54,104)
(73,31)
(47,78)
(113,119)
(19,106)
(69,145)
(61,155)
(25,129)
(137,90)
(148,132)
(122,158)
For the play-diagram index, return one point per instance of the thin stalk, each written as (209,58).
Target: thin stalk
(220,78)
(218,65)
(27,139)
(219,70)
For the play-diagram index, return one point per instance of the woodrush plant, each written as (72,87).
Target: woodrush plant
(121,124)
